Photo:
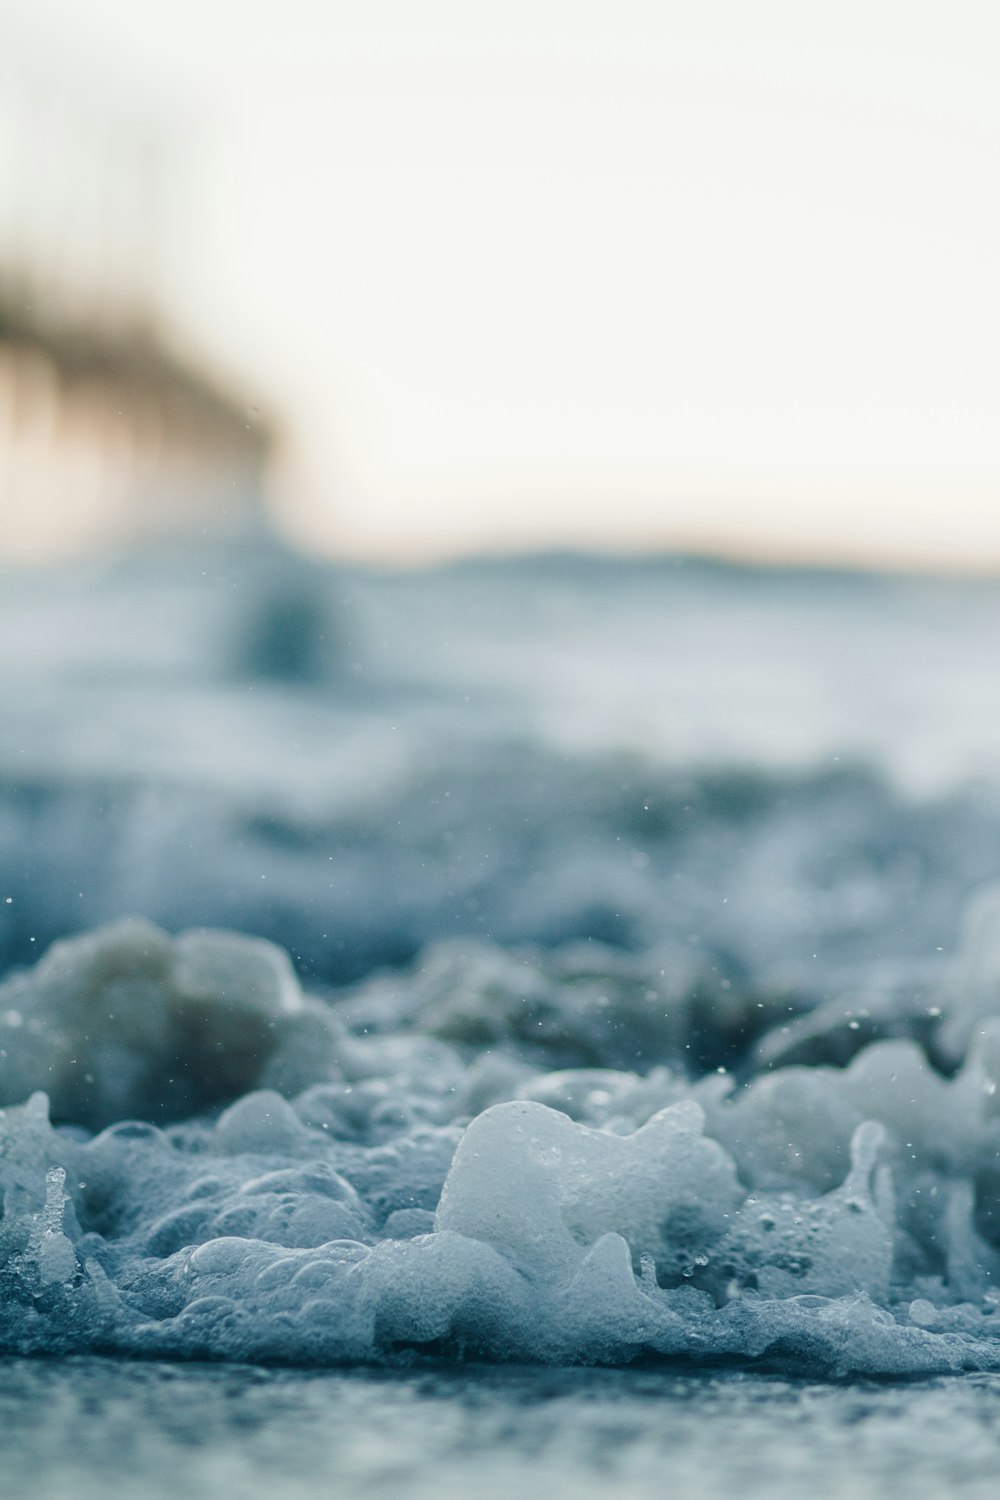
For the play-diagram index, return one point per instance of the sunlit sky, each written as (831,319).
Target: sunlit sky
(711,273)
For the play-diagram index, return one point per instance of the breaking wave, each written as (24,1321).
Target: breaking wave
(538,1052)
(222,1166)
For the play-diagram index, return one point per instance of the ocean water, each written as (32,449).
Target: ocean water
(87,1427)
(531,1023)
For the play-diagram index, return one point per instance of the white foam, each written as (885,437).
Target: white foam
(420,1194)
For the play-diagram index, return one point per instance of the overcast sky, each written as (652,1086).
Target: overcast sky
(603,273)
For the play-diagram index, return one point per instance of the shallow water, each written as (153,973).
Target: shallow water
(86,1427)
(643,1003)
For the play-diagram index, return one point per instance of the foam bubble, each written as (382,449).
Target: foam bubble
(308,1183)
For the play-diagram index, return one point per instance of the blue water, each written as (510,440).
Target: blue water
(610,977)
(87,1427)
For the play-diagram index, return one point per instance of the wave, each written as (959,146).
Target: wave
(223,1166)
(600,1006)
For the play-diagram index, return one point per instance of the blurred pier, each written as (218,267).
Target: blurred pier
(110,427)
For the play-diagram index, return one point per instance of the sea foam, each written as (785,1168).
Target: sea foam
(199,1160)
(616,1015)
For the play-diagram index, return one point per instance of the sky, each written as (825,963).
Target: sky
(574,273)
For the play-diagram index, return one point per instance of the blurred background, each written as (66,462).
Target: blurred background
(443,278)
(518,474)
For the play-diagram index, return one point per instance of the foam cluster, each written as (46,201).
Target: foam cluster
(199,1160)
